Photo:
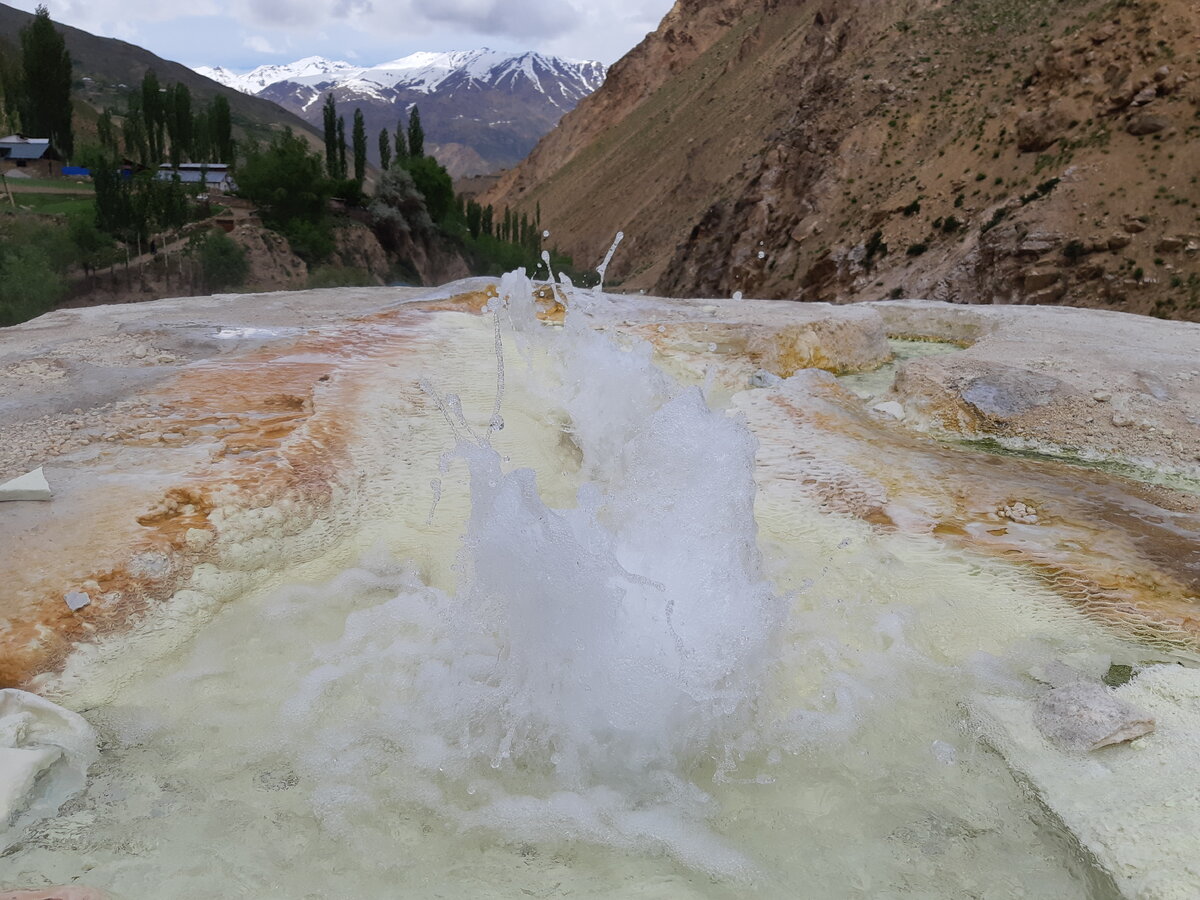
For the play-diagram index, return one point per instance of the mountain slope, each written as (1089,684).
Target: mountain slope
(115,66)
(978,151)
(481,109)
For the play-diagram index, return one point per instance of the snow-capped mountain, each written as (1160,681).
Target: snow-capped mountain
(483,109)
(310,70)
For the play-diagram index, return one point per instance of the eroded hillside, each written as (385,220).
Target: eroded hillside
(974,151)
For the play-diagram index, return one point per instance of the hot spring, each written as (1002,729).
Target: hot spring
(580,640)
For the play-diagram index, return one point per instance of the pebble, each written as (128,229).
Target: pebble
(1102,396)
(1121,421)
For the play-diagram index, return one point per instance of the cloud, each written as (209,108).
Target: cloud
(236,33)
(517,18)
(260,44)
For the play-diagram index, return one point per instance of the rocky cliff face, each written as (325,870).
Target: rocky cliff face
(1016,151)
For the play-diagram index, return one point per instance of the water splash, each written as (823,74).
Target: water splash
(590,658)
(603,267)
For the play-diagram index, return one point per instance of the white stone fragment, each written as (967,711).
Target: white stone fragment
(889,408)
(30,486)
(45,752)
(77,600)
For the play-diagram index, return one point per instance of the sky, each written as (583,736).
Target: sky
(242,34)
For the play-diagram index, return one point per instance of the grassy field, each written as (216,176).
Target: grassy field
(72,185)
(60,204)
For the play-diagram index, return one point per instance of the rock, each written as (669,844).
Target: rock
(1147,123)
(30,486)
(1144,96)
(1102,396)
(1038,129)
(1035,247)
(1161,73)
(1085,716)
(889,408)
(1118,241)
(1169,245)
(77,600)
(1134,224)
(1038,279)
(45,752)
(1001,391)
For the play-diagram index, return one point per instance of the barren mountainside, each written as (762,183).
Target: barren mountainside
(1014,151)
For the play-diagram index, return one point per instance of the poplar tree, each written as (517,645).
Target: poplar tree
(154,115)
(329,113)
(46,83)
(10,87)
(416,135)
(341,148)
(385,150)
(221,128)
(106,133)
(359,136)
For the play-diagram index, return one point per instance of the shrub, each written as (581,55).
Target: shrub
(917,249)
(223,263)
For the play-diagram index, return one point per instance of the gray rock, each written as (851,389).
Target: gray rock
(1004,391)
(1147,123)
(1086,716)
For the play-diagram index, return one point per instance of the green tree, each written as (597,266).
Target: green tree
(179,122)
(359,136)
(202,137)
(221,129)
(474,217)
(46,83)
(435,184)
(223,263)
(485,223)
(289,187)
(330,120)
(416,135)
(10,87)
(133,131)
(341,148)
(385,150)
(106,133)
(153,115)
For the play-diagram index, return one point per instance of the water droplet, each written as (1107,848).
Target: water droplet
(737,295)
(662,329)
(545,234)
(762,254)
(712,348)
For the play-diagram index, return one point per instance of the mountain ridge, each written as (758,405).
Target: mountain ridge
(481,109)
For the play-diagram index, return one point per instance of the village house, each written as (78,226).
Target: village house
(214,176)
(33,155)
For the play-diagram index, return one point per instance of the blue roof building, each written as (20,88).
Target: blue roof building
(21,149)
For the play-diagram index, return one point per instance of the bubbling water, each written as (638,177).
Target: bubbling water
(591,660)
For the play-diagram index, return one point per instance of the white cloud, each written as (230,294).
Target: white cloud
(375,30)
(260,44)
